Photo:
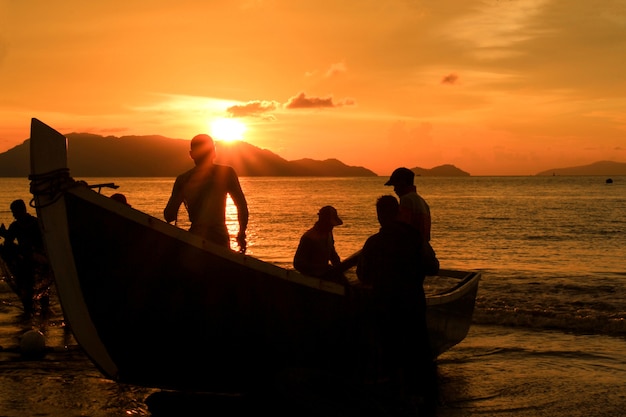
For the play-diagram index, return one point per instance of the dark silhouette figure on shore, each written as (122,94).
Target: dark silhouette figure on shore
(204,190)
(24,254)
(316,254)
(390,262)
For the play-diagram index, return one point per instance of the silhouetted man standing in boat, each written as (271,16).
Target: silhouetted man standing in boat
(204,189)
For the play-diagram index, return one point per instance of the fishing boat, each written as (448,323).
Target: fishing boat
(154,305)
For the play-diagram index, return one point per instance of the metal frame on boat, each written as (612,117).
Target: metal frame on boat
(154,305)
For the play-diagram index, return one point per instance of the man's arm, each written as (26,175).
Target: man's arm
(239,199)
(170,213)
(365,267)
(335,260)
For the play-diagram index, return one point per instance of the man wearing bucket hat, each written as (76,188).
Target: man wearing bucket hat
(413,208)
(316,252)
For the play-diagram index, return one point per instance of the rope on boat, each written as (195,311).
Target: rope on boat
(51,185)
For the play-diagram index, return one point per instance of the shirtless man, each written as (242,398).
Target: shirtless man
(203,190)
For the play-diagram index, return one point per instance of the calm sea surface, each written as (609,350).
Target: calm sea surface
(549,333)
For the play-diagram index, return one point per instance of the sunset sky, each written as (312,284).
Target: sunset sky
(495,87)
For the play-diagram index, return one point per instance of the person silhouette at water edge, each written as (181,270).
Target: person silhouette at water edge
(24,253)
(204,190)
(390,263)
(316,254)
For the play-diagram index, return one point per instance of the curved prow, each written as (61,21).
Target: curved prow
(49,177)
(52,155)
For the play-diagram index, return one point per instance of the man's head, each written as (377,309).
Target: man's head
(121,198)
(202,149)
(402,180)
(328,216)
(18,208)
(387,208)
(401,176)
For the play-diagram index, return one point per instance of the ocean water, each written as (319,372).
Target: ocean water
(549,330)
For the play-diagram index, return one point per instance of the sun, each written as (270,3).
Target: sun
(227,129)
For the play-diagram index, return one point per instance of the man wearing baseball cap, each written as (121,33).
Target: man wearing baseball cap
(413,208)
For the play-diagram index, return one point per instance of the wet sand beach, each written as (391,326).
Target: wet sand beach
(499,371)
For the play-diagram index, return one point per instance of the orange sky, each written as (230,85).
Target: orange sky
(495,87)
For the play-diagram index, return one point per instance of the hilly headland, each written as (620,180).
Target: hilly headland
(92,155)
(608,168)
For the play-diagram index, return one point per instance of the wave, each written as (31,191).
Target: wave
(580,322)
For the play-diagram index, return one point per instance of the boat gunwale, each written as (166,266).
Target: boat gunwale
(466,284)
(180,234)
(467,278)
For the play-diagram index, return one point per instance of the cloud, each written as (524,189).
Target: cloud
(450,79)
(264,108)
(333,71)
(336,69)
(257,108)
(301,101)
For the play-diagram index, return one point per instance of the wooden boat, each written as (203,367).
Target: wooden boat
(154,305)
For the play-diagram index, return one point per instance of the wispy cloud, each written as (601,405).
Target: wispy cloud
(301,101)
(256,108)
(336,69)
(499,24)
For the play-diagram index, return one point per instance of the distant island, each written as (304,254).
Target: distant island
(92,155)
(606,168)
(440,171)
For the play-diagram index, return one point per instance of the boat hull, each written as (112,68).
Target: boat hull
(157,306)
(203,320)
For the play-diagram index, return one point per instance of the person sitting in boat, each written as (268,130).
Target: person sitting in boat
(388,263)
(204,189)
(316,254)
(23,251)
(120,198)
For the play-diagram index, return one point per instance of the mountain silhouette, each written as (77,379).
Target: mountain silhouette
(597,168)
(440,171)
(91,155)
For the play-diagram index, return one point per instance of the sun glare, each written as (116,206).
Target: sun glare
(227,130)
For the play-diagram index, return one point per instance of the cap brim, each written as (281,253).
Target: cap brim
(389,183)
(335,221)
